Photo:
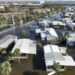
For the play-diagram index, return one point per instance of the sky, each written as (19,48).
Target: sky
(37,0)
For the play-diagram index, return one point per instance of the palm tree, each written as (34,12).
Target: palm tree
(23,34)
(5,68)
(57,67)
(31,10)
(17,54)
(64,37)
(4,53)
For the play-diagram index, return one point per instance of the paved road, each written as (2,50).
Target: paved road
(12,29)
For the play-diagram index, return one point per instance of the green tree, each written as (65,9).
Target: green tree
(17,54)
(31,10)
(23,34)
(3,52)
(64,37)
(57,67)
(5,68)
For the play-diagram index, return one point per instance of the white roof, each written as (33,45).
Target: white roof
(51,38)
(45,22)
(52,31)
(26,46)
(52,53)
(67,62)
(72,34)
(55,48)
(1,7)
(71,24)
(63,50)
(48,32)
(7,40)
(43,35)
(58,23)
(67,19)
(69,10)
(71,39)
(50,48)
(47,49)
(67,14)
(38,30)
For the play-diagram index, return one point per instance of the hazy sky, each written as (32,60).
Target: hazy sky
(37,0)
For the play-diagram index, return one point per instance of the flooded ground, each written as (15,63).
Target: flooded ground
(26,68)
(35,65)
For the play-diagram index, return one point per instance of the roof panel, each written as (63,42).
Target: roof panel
(7,40)
(49,56)
(58,56)
(26,46)
(55,48)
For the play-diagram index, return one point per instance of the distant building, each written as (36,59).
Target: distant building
(71,39)
(69,11)
(60,2)
(57,16)
(21,2)
(71,25)
(2,8)
(66,20)
(58,24)
(44,22)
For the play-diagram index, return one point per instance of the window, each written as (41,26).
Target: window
(57,27)
(50,67)
(23,55)
(62,67)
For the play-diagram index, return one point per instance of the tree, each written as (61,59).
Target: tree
(63,38)
(57,67)
(39,45)
(3,52)
(17,54)
(31,10)
(5,68)
(66,35)
(23,34)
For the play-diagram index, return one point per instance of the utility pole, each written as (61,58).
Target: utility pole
(13,22)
